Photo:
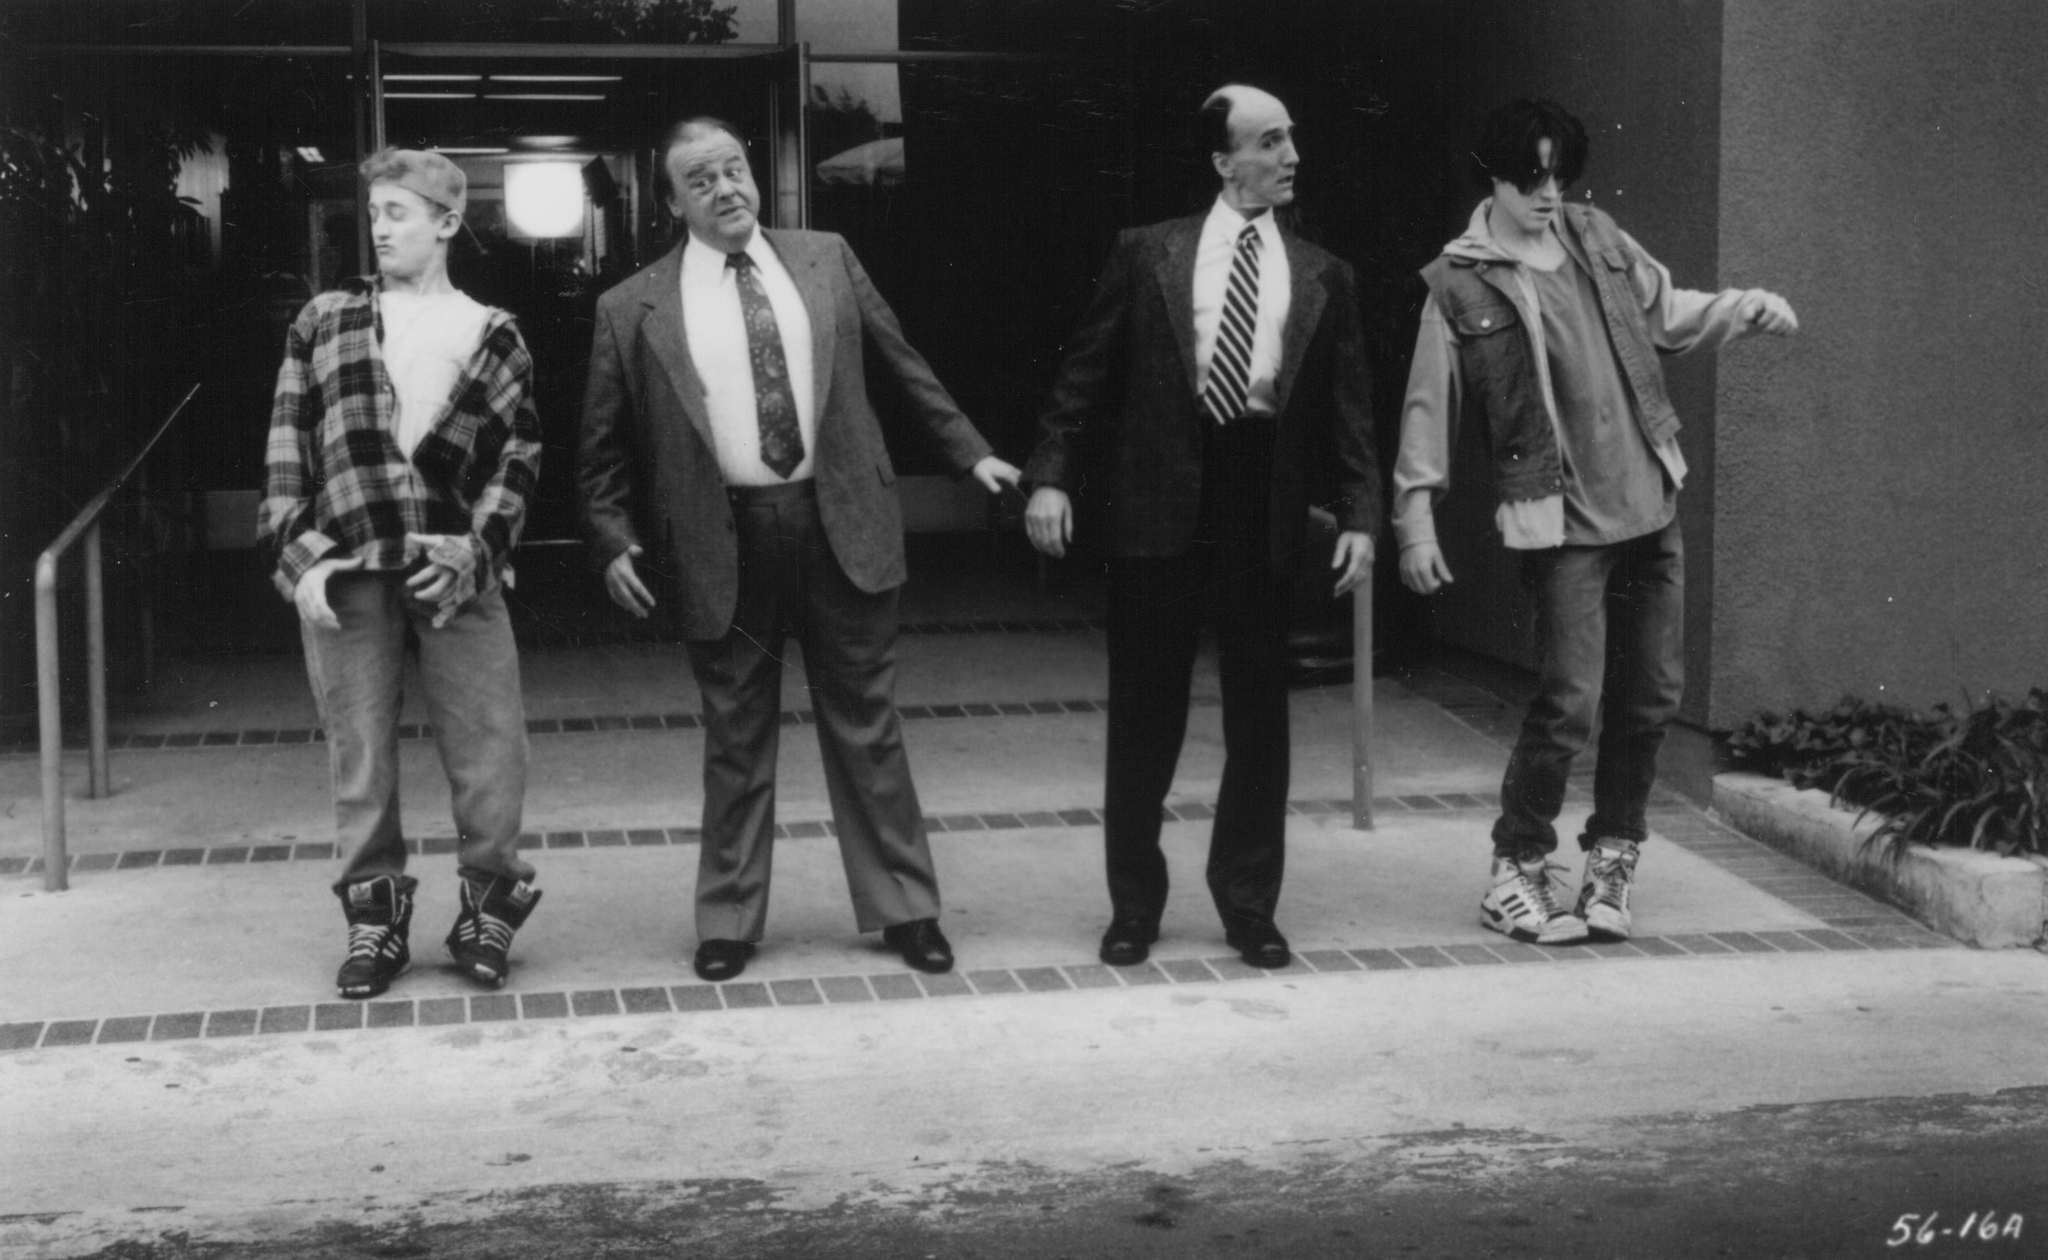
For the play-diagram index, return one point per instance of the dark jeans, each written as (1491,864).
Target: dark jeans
(1610,630)
(790,583)
(1156,607)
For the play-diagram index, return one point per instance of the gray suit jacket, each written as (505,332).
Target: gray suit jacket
(1123,406)
(647,471)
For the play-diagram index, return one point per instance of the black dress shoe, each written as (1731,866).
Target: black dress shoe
(1260,947)
(1127,942)
(721,960)
(921,943)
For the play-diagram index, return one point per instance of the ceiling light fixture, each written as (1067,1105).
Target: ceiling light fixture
(557,78)
(433,78)
(544,199)
(543,96)
(430,96)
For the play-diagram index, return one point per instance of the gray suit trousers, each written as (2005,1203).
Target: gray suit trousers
(790,584)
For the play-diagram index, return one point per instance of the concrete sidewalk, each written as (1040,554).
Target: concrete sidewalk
(173,1065)
(223,852)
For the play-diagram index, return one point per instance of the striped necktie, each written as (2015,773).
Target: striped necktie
(1230,366)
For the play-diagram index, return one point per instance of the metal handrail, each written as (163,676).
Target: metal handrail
(87,525)
(1361,702)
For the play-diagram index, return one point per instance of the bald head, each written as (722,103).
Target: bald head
(1251,143)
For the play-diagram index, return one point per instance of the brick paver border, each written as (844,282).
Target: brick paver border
(603,723)
(842,990)
(636,837)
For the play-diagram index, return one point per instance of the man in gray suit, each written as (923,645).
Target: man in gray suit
(731,461)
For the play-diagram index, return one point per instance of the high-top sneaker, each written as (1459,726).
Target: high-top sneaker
(492,910)
(1520,903)
(379,914)
(1603,897)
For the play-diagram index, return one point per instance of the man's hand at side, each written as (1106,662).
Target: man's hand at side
(1049,520)
(623,584)
(310,595)
(1423,569)
(1354,557)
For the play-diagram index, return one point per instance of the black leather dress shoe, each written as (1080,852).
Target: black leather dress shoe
(1127,942)
(1260,947)
(721,960)
(921,943)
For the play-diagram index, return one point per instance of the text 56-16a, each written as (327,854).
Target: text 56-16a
(1980,1226)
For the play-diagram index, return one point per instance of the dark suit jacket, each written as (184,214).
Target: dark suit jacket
(647,470)
(1123,405)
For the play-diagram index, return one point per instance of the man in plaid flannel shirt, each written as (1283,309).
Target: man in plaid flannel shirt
(403,448)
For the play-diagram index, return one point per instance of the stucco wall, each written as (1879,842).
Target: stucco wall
(1881,488)
(1645,79)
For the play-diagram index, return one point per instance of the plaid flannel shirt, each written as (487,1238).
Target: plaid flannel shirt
(336,482)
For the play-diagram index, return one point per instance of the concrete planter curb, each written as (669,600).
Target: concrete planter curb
(1979,898)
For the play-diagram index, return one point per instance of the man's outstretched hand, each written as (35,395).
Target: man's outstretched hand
(994,474)
(1765,311)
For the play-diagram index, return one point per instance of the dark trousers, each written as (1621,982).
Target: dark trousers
(1610,626)
(791,584)
(1156,607)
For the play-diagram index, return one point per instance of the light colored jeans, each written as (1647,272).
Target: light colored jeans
(470,669)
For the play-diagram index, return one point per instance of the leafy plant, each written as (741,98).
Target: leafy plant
(1975,778)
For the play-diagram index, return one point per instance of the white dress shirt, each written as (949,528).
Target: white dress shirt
(1214,253)
(717,335)
(429,338)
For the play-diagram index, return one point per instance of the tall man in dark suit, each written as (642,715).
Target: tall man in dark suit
(728,444)
(1220,362)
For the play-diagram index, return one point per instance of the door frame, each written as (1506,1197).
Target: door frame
(788,86)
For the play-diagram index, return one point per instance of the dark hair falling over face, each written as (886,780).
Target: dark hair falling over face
(1509,144)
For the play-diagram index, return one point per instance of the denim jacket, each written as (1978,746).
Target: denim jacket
(1480,356)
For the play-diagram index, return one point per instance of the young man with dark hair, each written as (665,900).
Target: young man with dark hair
(1221,357)
(403,448)
(1544,327)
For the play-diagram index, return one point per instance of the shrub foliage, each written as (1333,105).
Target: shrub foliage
(1975,778)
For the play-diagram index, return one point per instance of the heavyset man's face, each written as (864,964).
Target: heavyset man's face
(1535,210)
(711,188)
(407,230)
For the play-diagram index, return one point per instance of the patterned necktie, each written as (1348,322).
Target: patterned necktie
(1230,366)
(782,441)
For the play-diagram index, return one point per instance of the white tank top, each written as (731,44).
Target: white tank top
(428,340)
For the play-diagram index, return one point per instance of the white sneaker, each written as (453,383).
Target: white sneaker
(1603,897)
(1521,904)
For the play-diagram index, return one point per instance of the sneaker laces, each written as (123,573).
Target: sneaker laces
(367,940)
(1610,876)
(1541,886)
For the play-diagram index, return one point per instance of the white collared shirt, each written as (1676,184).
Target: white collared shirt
(1214,252)
(717,335)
